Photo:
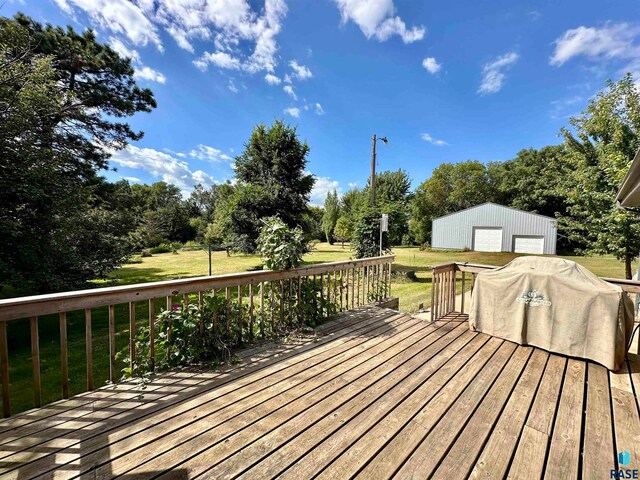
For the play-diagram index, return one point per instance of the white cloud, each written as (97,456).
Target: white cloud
(219,59)
(300,72)
(428,138)
(320,189)
(117,16)
(352,184)
(493,75)
(288,89)
(205,152)
(376,19)
(431,65)
(293,111)
(287,78)
(161,165)
(610,41)
(232,86)
(123,50)
(148,73)
(247,37)
(132,179)
(272,79)
(319,110)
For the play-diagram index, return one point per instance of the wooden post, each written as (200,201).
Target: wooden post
(226,309)
(463,292)
(4,369)
(132,336)
(152,333)
(299,305)
(112,343)
(201,310)
(433,294)
(64,362)
(88,341)
(35,362)
(239,314)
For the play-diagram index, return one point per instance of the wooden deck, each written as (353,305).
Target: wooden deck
(377,394)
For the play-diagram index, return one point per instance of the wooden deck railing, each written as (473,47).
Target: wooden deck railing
(346,285)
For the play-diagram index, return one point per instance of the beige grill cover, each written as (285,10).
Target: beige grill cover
(556,305)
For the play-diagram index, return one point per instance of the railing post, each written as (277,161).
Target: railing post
(88,340)
(64,363)
(4,369)
(152,333)
(35,362)
(112,343)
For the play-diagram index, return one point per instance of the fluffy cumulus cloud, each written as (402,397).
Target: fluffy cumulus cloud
(272,79)
(148,73)
(320,189)
(493,73)
(288,89)
(238,36)
(161,165)
(293,111)
(205,152)
(300,72)
(118,16)
(434,141)
(377,19)
(612,42)
(142,72)
(431,65)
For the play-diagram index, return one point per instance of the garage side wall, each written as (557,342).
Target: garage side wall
(456,230)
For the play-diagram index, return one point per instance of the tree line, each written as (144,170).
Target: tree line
(64,99)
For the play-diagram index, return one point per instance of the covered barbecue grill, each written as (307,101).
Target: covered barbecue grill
(554,304)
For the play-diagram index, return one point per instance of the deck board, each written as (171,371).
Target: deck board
(375,394)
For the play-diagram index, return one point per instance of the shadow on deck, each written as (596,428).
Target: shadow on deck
(375,394)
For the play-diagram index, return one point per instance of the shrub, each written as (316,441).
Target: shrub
(134,259)
(145,253)
(365,241)
(192,245)
(162,248)
(281,247)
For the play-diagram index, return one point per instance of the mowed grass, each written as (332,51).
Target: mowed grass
(192,264)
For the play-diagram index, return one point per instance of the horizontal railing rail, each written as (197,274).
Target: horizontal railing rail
(264,301)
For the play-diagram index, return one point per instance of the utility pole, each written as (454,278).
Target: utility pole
(373,171)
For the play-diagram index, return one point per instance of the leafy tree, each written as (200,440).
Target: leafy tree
(343,230)
(272,181)
(391,187)
(365,241)
(331,215)
(62,98)
(452,187)
(600,150)
(312,223)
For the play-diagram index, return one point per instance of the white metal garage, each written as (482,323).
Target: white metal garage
(528,244)
(487,239)
(490,227)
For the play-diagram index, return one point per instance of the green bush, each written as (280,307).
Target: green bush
(281,247)
(162,248)
(365,241)
(145,253)
(192,245)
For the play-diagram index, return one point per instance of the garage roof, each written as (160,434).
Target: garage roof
(497,205)
(629,193)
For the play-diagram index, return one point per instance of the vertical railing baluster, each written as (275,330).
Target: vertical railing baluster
(226,310)
(262,309)
(299,318)
(239,314)
(463,292)
(433,294)
(281,320)
(112,343)
(35,362)
(132,336)
(4,369)
(88,342)
(64,360)
(454,274)
(201,310)
(251,316)
(152,333)
(341,287)
(322,313)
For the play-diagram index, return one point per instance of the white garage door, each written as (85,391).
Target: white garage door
(528,244)
(487,239)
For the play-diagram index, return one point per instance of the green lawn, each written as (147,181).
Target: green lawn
(195,263)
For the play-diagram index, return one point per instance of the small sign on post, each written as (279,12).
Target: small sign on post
(384,227)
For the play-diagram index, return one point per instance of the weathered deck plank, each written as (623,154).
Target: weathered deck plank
(377,395)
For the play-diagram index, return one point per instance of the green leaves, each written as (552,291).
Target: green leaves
(281,247)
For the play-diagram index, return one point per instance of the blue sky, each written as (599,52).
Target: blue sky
(444,81)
